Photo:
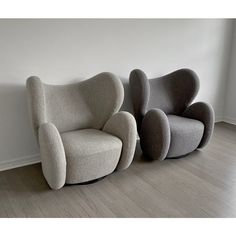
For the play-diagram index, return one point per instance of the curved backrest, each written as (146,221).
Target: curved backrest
(87,104)
(171,93)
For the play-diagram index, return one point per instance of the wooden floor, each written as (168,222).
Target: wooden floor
(202,184)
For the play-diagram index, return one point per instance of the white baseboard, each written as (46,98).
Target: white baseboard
(218,119)
(230,120)
(19,162)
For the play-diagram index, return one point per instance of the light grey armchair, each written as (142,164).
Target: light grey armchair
(81,135)
(168,125)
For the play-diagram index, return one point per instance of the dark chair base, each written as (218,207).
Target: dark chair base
(88,182)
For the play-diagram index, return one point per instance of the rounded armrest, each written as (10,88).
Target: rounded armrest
(52,155)
(203,112)
(155,134)
(123,125)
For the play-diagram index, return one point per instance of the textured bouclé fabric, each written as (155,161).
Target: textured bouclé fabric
(126,131)
(96,151)
(168,125)
(80,134)
(186,135)
(205,113)
(87,104)
(155,134)
(52,155)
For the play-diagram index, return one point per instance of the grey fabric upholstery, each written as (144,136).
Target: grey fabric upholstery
(140,93)
(161,108)
(186,135)
(80,134)
(155,134)
(205,113)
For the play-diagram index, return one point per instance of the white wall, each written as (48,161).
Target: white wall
(62,51)
(230,101)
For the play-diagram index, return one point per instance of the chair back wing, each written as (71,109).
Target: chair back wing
(173,92)
(87,104)
(140,92)
(36,103)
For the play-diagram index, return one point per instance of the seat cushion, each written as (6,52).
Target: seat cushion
(90,154)
(186,135)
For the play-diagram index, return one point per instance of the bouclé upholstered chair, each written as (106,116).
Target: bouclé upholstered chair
(168,125)
(81,135)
